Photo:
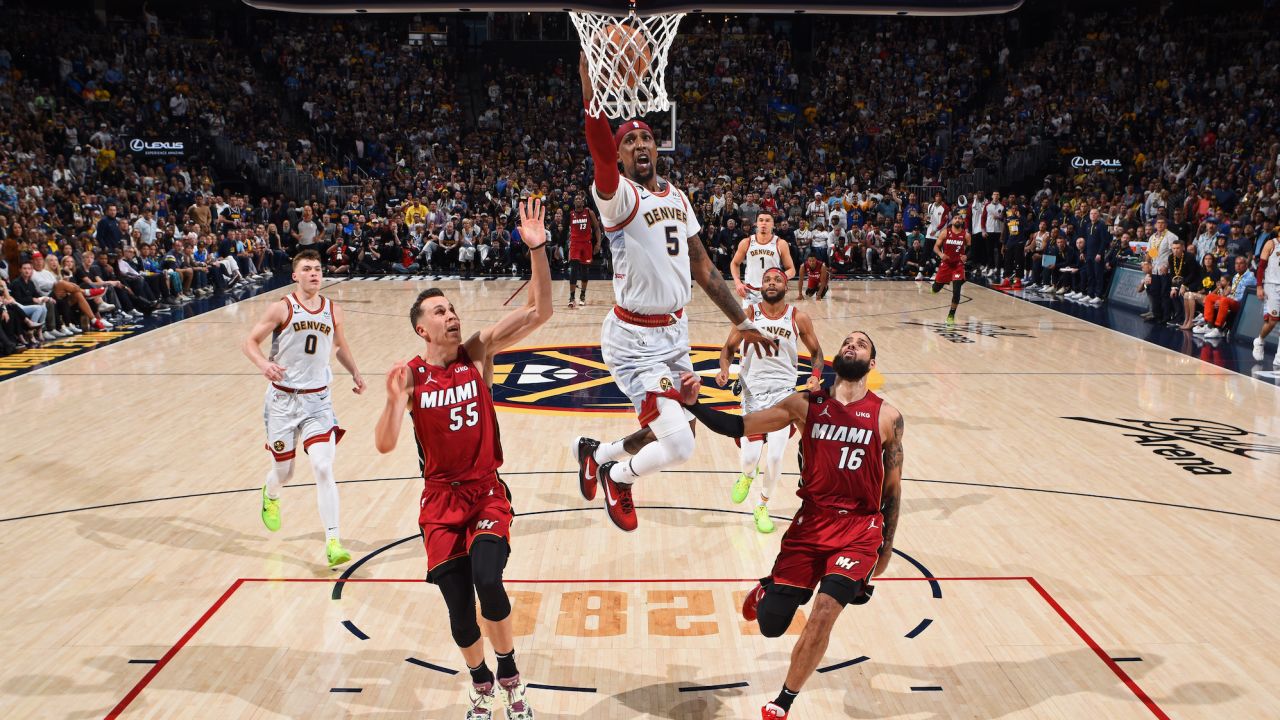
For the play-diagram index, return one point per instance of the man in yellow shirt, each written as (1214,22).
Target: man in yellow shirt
(414,211)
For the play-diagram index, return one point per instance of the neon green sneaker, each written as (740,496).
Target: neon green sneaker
(951,319)
(337,554)
(742,487)
(764,523)
(270,511)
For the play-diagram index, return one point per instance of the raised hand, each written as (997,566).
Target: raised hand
(532,229)
(397,376)
(763,345)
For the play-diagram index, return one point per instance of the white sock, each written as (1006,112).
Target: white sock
(749,456)
(777,443)
(279,474)
(674,445)
(321,455)
(609,452)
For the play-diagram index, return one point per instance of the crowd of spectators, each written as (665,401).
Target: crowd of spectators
(427,153)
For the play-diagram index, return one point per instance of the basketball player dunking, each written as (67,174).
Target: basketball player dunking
(583,240)
(298,402)
(761,252)
(767,381)
(850,486)
(465,511)
(951,249)
(657,256)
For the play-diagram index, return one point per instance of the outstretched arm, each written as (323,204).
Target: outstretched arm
(804,324)
(892,427)
(604,155)
(387,431)
(537,309)
(344,350)
(712,283)
(736,271)
(791,411)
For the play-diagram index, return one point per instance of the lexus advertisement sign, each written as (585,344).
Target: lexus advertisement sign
(159,147)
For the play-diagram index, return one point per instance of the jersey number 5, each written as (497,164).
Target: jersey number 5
(456,421)
(673,240)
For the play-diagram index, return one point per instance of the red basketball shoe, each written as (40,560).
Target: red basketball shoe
(617,500)
(772,712)
(751,603)
(587,466)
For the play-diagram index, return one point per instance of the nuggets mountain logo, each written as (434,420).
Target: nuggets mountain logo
(1167,438)
(574,379)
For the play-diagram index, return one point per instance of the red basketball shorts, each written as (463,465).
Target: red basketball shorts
(451,517)
(823,542)
(949,271)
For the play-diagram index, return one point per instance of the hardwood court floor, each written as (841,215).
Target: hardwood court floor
(130,518)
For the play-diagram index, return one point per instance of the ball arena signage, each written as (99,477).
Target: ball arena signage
(157,147)
(575,379)
(960,333)
(1169,438)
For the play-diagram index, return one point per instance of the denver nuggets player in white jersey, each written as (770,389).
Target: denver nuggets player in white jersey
(768,380)
(657,256)
(305,327)
(761,252)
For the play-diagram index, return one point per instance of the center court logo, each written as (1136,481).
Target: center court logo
(574,379)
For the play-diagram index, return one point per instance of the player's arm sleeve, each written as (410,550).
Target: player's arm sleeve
(604,155)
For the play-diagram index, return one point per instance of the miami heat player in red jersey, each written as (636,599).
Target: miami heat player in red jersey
(583,230)
(951,249)
(850,485)
(465,512)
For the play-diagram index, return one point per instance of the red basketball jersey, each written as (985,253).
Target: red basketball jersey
(580,226)
(454,421)
(840,463)
(813,275)
(952,244)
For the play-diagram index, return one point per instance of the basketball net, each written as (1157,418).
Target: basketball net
(627,60)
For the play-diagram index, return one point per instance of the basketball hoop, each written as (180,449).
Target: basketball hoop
(627,60)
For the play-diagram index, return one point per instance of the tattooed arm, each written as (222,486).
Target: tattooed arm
(891,430)
(713,284)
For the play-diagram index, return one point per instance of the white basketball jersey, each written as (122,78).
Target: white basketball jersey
(649,235)
(1272,276)
(759,259)
(762,373)
(302,345)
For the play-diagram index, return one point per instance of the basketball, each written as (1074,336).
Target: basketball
(629,54)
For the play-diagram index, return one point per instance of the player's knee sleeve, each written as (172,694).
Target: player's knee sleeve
(322,455)
(460,600)
(672,430)
(846,590)
(750,455)
(778,608)
(488,560)
(955,292)
(282,471)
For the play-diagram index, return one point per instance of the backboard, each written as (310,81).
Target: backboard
(650,7)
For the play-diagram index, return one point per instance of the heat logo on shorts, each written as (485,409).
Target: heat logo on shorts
(574,378)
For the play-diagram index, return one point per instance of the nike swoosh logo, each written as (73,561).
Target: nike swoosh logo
(645,196)
(607,495)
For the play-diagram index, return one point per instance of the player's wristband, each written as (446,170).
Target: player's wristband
(817,369)
(746,325)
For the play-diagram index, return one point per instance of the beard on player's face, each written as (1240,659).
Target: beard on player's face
(851,368)
(773,295)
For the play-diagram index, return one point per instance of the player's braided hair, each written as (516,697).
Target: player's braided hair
(415,312)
